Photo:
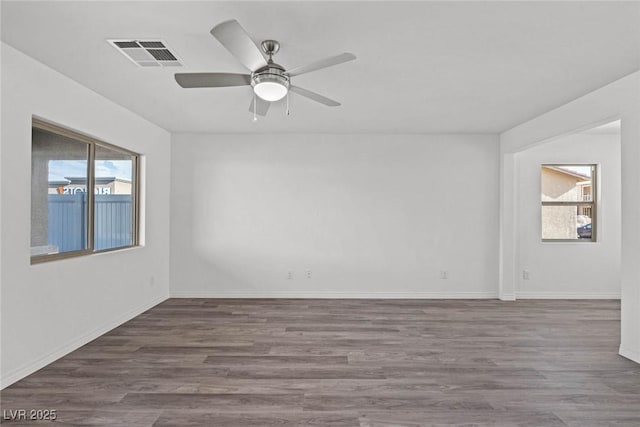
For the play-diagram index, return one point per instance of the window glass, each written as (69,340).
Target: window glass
(568,202)
(59,215)
(114,199)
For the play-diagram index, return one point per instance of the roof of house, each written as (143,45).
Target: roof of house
(568,172)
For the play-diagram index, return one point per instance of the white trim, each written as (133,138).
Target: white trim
(568,295)
(333,295)
(629,354)
(606,104)
(31,367)
(507,297)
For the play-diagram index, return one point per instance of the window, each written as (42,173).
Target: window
(568,199)
(84,194)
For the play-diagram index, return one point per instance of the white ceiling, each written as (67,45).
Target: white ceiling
(421,67)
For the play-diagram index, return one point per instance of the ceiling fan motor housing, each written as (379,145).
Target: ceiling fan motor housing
(272,73)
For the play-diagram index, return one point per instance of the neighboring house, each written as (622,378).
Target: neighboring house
(564,185)
(104,185)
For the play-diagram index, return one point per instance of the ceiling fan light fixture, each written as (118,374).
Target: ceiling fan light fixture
(270,91)
(271,85)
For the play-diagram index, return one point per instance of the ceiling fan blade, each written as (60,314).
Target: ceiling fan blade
(314,96)
(237,41)
(189,80)
(262,106)
(323,63)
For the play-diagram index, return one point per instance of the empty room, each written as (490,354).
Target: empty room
(310,213)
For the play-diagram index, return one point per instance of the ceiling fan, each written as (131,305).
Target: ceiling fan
(270,81)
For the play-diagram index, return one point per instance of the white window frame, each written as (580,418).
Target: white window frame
(593,203)
(92,142)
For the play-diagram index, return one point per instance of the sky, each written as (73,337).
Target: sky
(58,169)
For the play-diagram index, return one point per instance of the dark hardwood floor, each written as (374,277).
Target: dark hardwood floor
(365,363)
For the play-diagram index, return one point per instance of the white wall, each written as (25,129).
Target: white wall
(563,269)
(618,100)
(52,308)
(369,215)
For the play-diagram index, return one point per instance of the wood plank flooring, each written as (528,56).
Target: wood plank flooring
(360,363)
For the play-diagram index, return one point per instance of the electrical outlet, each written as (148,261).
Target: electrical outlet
(308,274)
(289,275)
(443,274)
(526,275)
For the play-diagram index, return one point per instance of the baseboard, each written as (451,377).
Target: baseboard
(629,354)
(334,295)
(31,367)
(568,295)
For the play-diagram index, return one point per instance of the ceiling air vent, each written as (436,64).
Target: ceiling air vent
(147,53)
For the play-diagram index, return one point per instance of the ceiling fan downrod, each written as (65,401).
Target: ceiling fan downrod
(270,48)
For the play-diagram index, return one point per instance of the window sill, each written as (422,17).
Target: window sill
(568,242)
(42,259)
